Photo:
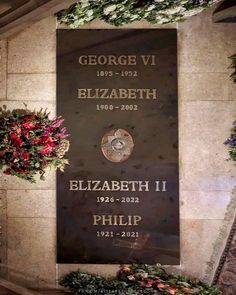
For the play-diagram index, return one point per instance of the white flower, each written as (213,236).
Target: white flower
(84,3)
(159,1)
(114,15)
(163,20)
(109,9)
(151,7)
(134,16)
(89,12)
(77,23)
(88,18)
(173,10)
(131,278)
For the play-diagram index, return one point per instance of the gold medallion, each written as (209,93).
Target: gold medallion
(117,145)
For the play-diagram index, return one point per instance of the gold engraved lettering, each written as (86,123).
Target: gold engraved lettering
(112,185)
(117,93)
(117,220)
(149,59)
(110,60)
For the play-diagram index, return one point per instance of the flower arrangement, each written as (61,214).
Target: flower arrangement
(120,12)
(233,65)
(231,143)
(136,279)
(30,142)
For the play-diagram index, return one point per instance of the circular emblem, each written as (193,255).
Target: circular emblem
(117,145)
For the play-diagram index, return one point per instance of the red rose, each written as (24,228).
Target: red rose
(160,286)
(28,125)
(16,154)
(46,150)
(19,169)
(16,128)
(25,155)
(44,139)
(48,141)
(52,144)
(7,171)
(149,283)
(13,136)
(48,131)
(125,269)
(25,133)
(36,140)
(24,171)
(16,139)
(60,136)
(171,290)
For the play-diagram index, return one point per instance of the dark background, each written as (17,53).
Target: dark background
(154,128)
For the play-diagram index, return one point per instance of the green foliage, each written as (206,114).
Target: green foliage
(136,279)
(84,283)
(231,143)
(120,12)
(233,65)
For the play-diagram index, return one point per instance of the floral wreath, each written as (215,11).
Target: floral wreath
(136,279)
(30,142)
(231,143)
(233,66)
(120,12)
